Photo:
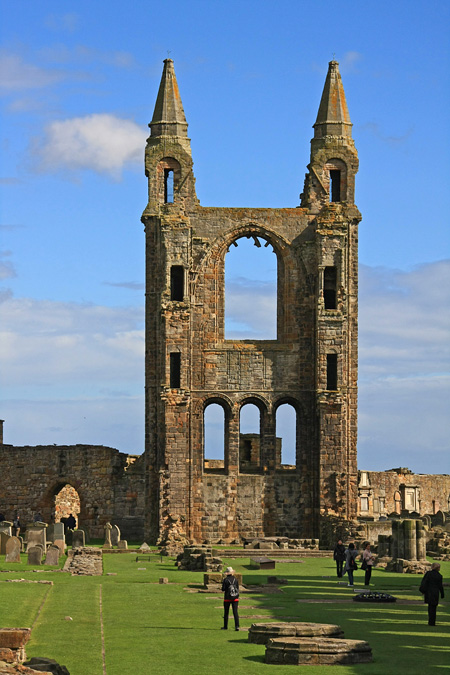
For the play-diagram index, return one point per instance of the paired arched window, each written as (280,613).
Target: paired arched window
(214,430)
(286,435)
(249,438)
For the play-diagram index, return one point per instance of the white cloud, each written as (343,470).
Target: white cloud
(99,142)
(7,270)
(55,346)
(67,22)
(16,74)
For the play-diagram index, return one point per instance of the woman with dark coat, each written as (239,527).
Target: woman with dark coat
(339,557)
(431,586)
(230,587)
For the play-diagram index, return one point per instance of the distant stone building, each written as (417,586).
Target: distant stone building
(311,365)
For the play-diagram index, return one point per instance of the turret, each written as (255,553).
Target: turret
(168,159)
(334,160)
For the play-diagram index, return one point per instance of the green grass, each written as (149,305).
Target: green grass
(154,628)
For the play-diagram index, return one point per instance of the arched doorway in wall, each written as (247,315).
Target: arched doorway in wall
(251,290)
(66,502)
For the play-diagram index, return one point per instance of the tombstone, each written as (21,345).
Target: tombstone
(6,527)
(426,520)
(115,535)
(68,535)
(60,543)
(86,533)
(52,556)
(122,545)
(13,550)
(4,537)
(108,528)
(77,538)
(36,534)
(438,518)
(34,555)
(55,531)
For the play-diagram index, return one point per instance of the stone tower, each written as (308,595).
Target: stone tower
(312,364)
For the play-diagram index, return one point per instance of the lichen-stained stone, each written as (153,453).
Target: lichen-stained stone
(317,651)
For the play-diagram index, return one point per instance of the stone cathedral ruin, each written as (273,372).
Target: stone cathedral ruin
(311,366)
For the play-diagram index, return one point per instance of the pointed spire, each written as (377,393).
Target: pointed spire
(333,118)
(168,118)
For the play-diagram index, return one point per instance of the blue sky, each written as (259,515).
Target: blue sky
(78,83)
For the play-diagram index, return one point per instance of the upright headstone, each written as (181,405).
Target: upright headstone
(115,535)
(36,534)
(77,538)
(6,527)
(122,545)
(55,531)
(86,533)
(52,556)
(13,550)
(60,543)
(4,538)
(34,555)
(108,528)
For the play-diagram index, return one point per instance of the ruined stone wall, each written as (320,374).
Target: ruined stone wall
(401,491)
(32,476)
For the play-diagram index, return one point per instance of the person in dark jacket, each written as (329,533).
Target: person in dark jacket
(230,587)
(350,562)
(339,557)
(431,586)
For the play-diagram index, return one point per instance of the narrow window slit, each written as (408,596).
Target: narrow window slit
(335,185)
(175,370)
(329,287)
(332,372)
(177,282)
(168,186)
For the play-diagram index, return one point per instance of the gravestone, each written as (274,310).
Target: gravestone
(34,555)
(115,535)
(36,534)
(6,527)
(4,537)
(55,531)
(123,545)
(61,545)
(86,533)
(13,550)
(108,528)
(77,538)
(52,556)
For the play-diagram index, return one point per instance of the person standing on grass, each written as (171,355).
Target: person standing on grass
(339,557)
(431,586)
(230,587)
(368,560)
(350,562)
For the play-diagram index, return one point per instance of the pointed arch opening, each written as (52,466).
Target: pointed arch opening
(251,269)
(66,503)
(249,438)
(286,436)
(214,437)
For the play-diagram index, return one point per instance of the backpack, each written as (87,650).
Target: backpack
(233,589)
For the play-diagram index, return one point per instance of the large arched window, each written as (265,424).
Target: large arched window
(67,502)
(214,437)
(249,438)
(286,435)
(251,290)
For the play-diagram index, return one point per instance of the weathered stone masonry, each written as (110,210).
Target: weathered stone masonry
(312,364)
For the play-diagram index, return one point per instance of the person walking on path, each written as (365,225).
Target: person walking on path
(368,560)
(230,587)
(350,562)
(431,586)
(339,557)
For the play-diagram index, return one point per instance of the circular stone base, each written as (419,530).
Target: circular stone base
(261,633)
(317,651)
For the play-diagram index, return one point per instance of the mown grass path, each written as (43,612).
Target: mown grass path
(129,624)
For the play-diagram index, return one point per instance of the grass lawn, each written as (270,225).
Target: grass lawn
(136,626)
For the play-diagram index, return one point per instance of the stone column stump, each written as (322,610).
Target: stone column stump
(296,651)
(261,633)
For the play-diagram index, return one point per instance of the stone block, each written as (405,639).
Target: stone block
(261,633)
(317,651)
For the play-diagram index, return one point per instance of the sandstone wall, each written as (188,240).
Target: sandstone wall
(108,488)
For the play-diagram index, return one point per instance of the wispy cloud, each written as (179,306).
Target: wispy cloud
(16,74)
(68,22)
(131,285)
(99,142)
(374,129)
(7,269)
